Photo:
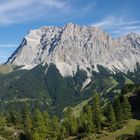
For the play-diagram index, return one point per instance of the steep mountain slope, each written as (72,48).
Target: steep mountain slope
(49,89)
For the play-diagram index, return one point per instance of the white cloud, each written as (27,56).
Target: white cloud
(118,25)
(8,45)
(22,11)
(54,3)
(5,51)
(4,54)
(16,11)
(3,57)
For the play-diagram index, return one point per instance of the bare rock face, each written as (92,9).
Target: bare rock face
(73,46)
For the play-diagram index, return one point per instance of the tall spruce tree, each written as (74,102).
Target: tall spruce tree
(26,120)
(55,128)
(118,111)
(73,125)
(69,121)
(88,120)
(126,108)
(28,125)
(2,120)
(47,121)
(63,132)
(111,116)
(13,117)
(35,136)
(97,112)
(80,123)
(39,125)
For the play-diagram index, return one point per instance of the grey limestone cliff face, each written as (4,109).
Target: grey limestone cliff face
(73,46)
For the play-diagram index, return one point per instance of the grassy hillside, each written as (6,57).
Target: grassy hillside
(129,129)
(4,69)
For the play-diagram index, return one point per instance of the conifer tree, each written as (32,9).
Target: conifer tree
(39,125)
(80,123)
(28,125)
(35,136)
(89,121)
(26,120)
(55,128)
(118,111)
(69,121)
(63,133)
(2,120)
(137,132)
(13,117)
(97,113)
(126,108)
(111,116)
(73,125)
(47,121)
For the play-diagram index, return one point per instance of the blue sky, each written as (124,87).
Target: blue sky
(17,17)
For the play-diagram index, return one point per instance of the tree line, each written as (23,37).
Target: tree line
(93,119)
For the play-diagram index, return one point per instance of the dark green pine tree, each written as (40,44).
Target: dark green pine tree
(80,123)
(89,125)
(111,117)
(26,121)
(39,127)
(126,108)
(47,121)
(2,120)
(137,132)
(55,128)
(63,132)
(118,111)
(70,121)
(97,112)
(13,118)
(28,125)
(73,125)
(35,135)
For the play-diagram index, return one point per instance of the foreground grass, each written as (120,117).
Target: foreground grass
(129,128)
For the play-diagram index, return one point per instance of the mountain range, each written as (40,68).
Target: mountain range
(55,67)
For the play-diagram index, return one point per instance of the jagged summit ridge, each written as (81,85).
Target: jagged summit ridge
(74,46)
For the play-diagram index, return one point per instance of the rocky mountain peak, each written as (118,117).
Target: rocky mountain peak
(74,46)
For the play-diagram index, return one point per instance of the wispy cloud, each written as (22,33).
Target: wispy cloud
(118,25)
(8,45)
(16,11)
(5,51)
(3,55)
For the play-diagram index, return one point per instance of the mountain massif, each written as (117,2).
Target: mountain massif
(74,46)
(55,67)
